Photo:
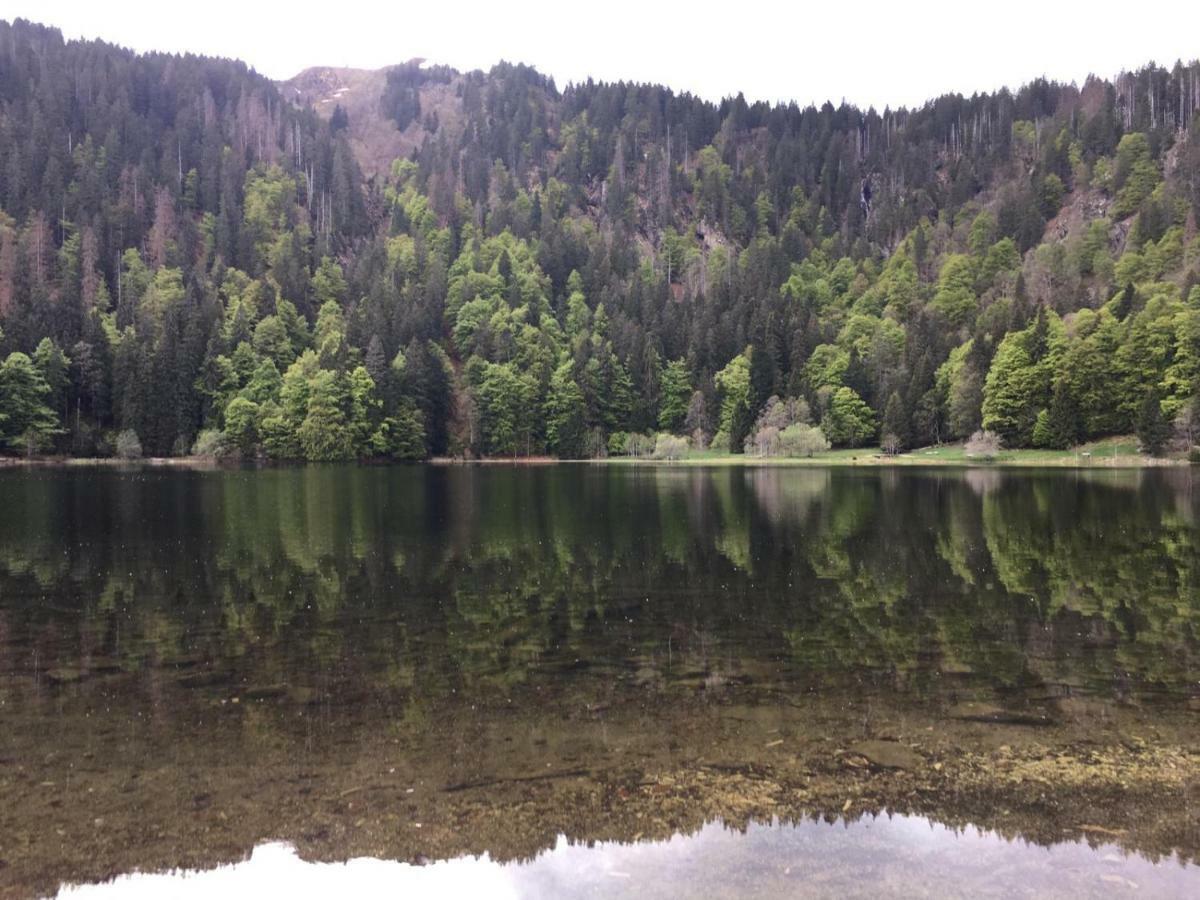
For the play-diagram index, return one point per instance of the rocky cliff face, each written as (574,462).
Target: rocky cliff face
(359,93)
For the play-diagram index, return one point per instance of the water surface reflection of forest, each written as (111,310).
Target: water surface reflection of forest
(552,634)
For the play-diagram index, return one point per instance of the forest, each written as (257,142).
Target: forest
(196,261)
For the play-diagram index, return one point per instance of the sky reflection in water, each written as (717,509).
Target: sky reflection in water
(900,856)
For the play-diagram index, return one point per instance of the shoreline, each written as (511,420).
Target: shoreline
(1117,452)
(1018,460)
(910,461)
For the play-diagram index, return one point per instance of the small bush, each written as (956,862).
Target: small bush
(1194,456)
(128,446)
(984,444)
(668,446)
(639,445)
(802,440)
(211,444)
(764,442)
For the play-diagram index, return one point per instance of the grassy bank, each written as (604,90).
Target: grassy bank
(174,462)
(1119,452)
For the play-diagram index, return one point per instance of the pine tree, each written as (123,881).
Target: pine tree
(675,390)
(376,360)
(1042,436)
(428,381)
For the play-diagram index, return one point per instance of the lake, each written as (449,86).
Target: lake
(588,680)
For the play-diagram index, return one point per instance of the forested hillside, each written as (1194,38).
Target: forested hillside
(419,262)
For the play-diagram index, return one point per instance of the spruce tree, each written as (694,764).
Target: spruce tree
(1041,436)
(1125,304)
(1153,430)
(564,414)
(675,390)
(762,377)
(1062,419)
(894,434)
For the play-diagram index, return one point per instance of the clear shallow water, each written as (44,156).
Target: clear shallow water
(899,856)
(195,663)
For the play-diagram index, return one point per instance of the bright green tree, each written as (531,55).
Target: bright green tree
(329,336)
(733,383)
(280,427)
(325,433)
(363,415)
(241,424)
(1136,175)
(502,396)
(1018,383)
(1011,392)
(328,283)
(271,340)
(955,294)
(404,433)
(26,421)
(55,367)
(849,422)
(264,383)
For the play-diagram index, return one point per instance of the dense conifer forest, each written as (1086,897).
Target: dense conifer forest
(197,260)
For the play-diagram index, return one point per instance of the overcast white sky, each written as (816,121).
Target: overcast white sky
(894,53)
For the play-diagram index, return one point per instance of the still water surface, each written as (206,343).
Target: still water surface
(738,680)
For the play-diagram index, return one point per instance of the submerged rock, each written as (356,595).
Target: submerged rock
(996,715)
(888,754)
(203,678)
(265,691)
(303,696)
(64,675)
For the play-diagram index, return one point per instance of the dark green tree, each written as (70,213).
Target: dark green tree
(565,411)
(894,428)
(1063,427)
(675,390)
(1153,430)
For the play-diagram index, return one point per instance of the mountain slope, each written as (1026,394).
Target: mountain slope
(416,260)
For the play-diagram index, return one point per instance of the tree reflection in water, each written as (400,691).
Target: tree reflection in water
(614,650)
